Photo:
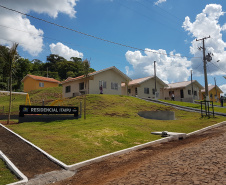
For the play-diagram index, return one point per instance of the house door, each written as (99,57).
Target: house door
(136,91)
(181,93)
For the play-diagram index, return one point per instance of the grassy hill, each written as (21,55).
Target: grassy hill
(112,124)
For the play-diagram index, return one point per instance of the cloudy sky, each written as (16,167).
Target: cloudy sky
(164,31)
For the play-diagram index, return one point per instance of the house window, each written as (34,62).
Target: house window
(146,90)
(41,84)
(195,93)
(189,92)
(68,89)
(211,95)
(136,91)
(114,86)
(129,91)
(171,92)
(81,86)
(153,91)
(103,83)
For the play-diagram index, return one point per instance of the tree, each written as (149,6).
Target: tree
(86,68)
(10,57)
(23,67)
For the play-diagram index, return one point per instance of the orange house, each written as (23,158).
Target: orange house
(32,82)
(214,93)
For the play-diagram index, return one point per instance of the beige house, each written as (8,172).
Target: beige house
(183,91)
(110,79)
(144,87)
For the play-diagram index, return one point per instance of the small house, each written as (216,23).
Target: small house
(186,91)
(106,81)
(32,82)
(214,93)
(145,87)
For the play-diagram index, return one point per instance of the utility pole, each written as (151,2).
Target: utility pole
(192,88)
(155,78)
(215,89)
(204,62)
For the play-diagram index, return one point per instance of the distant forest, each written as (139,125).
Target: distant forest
(56,66)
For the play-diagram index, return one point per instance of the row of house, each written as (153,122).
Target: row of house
(112,81)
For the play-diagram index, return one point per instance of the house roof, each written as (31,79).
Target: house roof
(210,87)
(142,80)
(69,79)
(183,84)
(41,78)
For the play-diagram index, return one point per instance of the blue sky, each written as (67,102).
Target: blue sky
(164,30)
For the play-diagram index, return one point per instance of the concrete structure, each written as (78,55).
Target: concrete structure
(144,87)
(110,79)
(158,115)
(214,93)
(183,91)
(32,82)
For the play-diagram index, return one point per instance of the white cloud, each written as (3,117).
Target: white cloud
(169,68)
(159,2)
(223,28)
(30,38)
(205,24)
(64,51)
(223,88)
(174,69)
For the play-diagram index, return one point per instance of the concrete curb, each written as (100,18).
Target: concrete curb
(120,152)
(39,149)
(180,107)
(206,128)
(14,169)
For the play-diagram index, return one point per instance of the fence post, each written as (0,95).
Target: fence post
(80,109)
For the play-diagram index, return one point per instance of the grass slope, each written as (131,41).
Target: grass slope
(195,105)
(6,176)
(36,98)
(112,124)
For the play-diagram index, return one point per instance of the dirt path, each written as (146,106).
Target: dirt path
(200,159)
(26,158)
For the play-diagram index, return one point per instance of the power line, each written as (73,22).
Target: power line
(176,21)
(96,50)
(217,67)
(89,35)
(143,15)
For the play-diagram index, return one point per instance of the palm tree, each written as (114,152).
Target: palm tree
(10,57)
(86,67)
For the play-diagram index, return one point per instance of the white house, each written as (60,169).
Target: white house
(183,91)
(110,79)
(144,87)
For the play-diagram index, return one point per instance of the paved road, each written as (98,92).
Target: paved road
(201,163)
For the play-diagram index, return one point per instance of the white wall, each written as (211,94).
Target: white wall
(151,85)
(187,97)
(74,88)
(108,76)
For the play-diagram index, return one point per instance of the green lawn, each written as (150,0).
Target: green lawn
(36,98)
(112,124)
(195,105)
(6,176)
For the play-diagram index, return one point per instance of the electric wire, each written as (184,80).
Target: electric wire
(89,35)
(217,67)
(147,17)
